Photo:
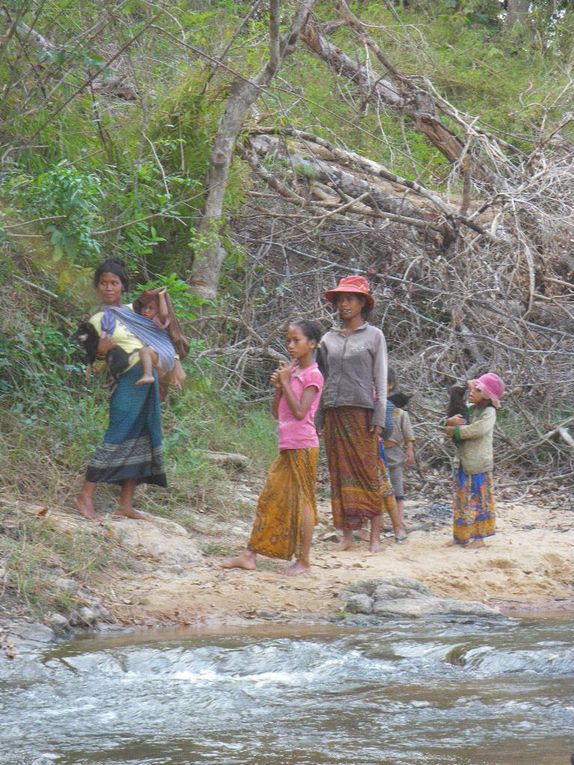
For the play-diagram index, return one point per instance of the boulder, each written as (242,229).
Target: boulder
(156,538)
(358,603)
(404,597)
(58,623)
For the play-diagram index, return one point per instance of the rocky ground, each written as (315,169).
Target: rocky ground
(175,578)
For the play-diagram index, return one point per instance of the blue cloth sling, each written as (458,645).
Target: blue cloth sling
(145,330)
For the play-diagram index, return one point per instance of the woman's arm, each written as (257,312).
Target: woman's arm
(380,382)
(323,364)
(105,344)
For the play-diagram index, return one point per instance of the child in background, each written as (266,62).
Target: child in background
(286,510)
(399,450)
(473,500)
(165,343)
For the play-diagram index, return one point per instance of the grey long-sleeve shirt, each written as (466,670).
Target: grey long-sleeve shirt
(355,371)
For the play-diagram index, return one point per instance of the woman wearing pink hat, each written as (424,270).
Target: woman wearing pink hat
(352,414)
(473,500)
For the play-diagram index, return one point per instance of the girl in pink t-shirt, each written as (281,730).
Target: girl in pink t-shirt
(286,510)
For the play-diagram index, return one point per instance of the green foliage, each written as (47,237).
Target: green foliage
(70,201)
(33,360)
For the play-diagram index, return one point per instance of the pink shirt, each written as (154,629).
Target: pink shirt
(294,433)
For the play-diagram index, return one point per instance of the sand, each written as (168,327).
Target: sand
(527,568)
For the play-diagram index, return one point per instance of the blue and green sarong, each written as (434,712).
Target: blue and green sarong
(132,446)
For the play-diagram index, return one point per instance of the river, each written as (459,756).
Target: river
(465,692)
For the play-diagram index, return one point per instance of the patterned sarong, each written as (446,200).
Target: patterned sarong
(360,485)
(132,446)
(289,488)
(473,507)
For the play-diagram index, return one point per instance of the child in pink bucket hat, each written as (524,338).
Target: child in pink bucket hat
(473,500)
(492,387)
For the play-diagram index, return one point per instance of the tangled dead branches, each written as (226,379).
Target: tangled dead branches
(458,293)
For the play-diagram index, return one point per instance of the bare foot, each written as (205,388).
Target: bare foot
(452,543)
(296,568)
(245,561)
(129,512)
(86,507)
(375,546)
(476,544)
(145,380)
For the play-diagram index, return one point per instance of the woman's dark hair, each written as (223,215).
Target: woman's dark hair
(391,377)
(311,330)
(112,266)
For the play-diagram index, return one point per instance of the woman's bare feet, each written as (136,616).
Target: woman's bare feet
(453,543)
(296,568)
(85,506)
(129,512)
(375,546)
(347,542)
(247,561)
(476,544)
(400,534)
(145,380)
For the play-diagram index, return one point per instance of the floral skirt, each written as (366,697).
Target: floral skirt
(473,507)
(289,489)
(360,486)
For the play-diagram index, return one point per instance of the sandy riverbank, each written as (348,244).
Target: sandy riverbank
(527,568)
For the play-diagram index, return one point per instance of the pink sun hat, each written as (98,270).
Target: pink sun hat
(491,385)
(356,284)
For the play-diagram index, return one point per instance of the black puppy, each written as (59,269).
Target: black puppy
(400,400)
(457,402)
(117,359)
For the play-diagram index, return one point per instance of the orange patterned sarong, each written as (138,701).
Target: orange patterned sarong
(289,488)
(360,486)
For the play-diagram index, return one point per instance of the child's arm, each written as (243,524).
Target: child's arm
(453,424)
(163,311)
(479,427)
(277,397)
(458,419)
(298,407)
(409,438)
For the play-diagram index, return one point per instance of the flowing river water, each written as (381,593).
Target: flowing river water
(465,692)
